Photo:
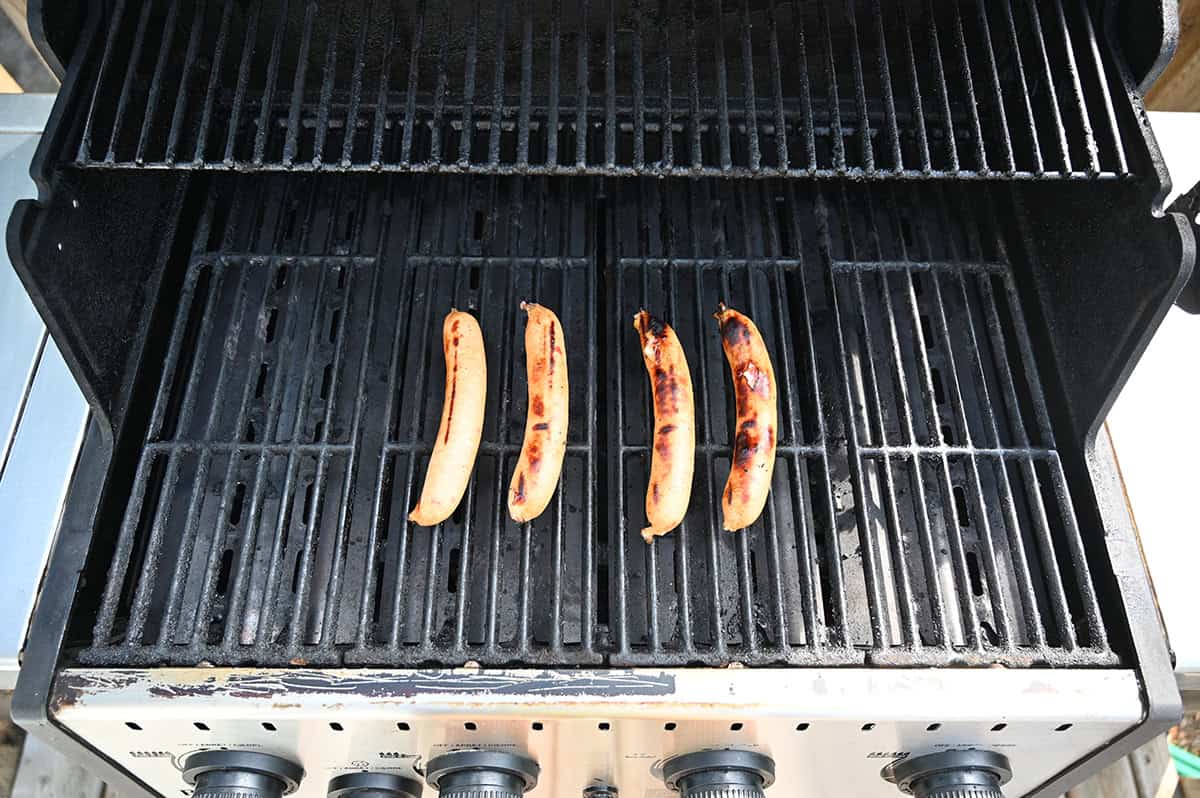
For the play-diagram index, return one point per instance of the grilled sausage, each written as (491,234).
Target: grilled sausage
(754,442)
(538,467)
(674,452)
(457,441)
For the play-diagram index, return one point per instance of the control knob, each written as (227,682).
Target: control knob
(373,785)
(724,773)
(968,773)
(246,774)
(481,774)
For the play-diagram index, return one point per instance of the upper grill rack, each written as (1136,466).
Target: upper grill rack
(920,513)
(1018,89)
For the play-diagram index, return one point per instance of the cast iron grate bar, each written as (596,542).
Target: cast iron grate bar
(920,513)
(1015,90)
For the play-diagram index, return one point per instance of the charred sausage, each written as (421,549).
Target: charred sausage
(540,463)
(457,441)
(673,453)
(755,437)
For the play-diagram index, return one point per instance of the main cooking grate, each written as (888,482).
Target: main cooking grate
(1015,89)
(919,514)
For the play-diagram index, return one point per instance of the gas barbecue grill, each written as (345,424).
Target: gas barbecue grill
(942,216)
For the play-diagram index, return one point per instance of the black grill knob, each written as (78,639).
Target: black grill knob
(374,785)
(719,774)
(599,789)
(967,773)
(481,774)
(245,774)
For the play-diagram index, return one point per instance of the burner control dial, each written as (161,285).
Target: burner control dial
(216,774)
(719,774)
(373,785)
(951,774)
(481,774)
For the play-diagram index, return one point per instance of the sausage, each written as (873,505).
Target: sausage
(538,467)
(458,435)
(754,442)
(673,454)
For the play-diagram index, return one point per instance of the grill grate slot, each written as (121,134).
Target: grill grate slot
(1013,90)
(920,514)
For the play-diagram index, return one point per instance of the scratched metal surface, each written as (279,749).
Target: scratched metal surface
(830,731)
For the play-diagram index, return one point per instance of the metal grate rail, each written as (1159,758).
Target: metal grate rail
(919,516)
(1017,90)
